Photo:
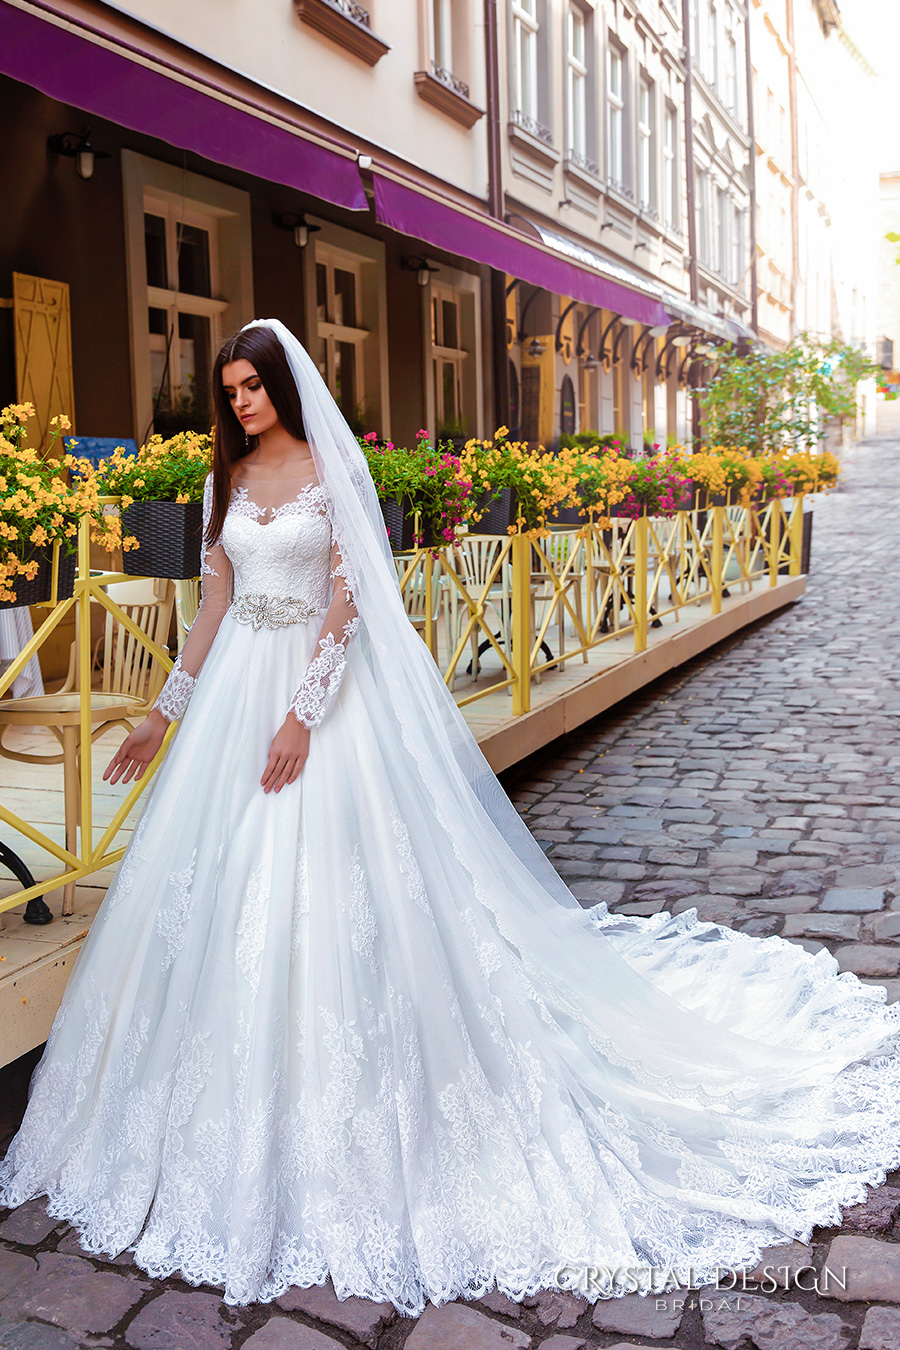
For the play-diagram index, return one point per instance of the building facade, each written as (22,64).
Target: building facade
(473,212)
(816,179)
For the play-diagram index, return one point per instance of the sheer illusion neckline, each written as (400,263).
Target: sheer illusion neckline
(247,506)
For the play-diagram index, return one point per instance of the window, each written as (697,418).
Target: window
(731,63)
(695,31)
(454,393)
(576,83)
(182,274)
(341,335)
(615,116)
(717,241)
(645,144)
(442,20)
(448,357)
(525,57)
(670,169)
(711,63)
(188,241)
(737,245)
(702,207)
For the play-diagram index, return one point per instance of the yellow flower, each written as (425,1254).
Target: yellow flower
(39,535)
(61,422)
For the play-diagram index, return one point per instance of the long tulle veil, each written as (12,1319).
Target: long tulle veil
(442,749)
(592,988)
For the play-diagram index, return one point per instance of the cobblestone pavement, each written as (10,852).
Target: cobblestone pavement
(758,785)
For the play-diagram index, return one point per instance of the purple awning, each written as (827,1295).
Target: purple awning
(71,68)
(413,213)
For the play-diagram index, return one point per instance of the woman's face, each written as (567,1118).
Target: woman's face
(247,396)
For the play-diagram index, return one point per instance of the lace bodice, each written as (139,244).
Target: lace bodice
(282,551)
(275,563)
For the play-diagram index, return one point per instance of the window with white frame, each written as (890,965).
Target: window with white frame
(576,83)
(730,94)
(717,240)
(525,56)
(701,183)
(670,168)
(448,358)
(737,245)
(189,281)
(711,65)
(615,115)
(341,334)
(454,393)
(442,27)
(696,48)
(182,309)
(645,145)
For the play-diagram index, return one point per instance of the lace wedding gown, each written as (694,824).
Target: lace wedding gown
(305,1036)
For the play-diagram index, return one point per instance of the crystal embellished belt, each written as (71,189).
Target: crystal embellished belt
(270,611)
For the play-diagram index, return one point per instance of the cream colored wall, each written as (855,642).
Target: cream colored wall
(379,104)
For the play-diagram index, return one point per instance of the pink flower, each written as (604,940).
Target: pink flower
(422,434)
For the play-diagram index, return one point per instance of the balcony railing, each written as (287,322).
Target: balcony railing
(583,162)
(353,10)
(532,126)
(452,81)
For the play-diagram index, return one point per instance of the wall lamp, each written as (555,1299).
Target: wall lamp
(78,147)
(422,268)
(298,224)
(535,348)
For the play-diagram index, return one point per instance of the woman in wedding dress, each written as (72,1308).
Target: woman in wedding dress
(339,1016)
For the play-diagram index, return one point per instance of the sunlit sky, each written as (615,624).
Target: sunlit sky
(875,27)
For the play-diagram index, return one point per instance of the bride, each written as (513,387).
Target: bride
(338,1015)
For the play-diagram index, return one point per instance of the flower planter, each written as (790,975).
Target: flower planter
(399,525)
(170,539)
(566,515)
(38,591)
(495,514)
(399,519)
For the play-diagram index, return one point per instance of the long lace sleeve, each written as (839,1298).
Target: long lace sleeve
(322,677)
(215,589)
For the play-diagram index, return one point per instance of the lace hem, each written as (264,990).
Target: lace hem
(175,694)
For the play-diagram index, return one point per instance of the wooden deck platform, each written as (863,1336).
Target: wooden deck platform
(35,962)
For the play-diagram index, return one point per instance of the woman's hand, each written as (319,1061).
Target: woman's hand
(137,750)
(287,754)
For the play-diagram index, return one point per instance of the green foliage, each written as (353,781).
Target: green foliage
(766,401)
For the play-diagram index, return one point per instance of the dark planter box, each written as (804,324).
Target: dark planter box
(399,520)
(399,526)
(566,515)
(496,513)
(38,591)
(170,539)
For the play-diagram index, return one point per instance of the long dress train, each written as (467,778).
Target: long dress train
(307,1036)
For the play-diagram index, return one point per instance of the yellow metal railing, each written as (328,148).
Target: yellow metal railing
(89,856)
(608,584)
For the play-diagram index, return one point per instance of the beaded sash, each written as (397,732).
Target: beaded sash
(269,611)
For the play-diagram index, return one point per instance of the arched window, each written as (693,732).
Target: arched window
(513,412)
(567,407)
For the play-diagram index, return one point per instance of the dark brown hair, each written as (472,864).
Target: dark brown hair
(266,355)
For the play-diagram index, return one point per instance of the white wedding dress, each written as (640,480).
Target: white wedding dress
(308,1036)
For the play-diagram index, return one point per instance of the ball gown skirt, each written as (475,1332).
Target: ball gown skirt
(298,1042)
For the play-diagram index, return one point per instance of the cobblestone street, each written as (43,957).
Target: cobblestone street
(760,786)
